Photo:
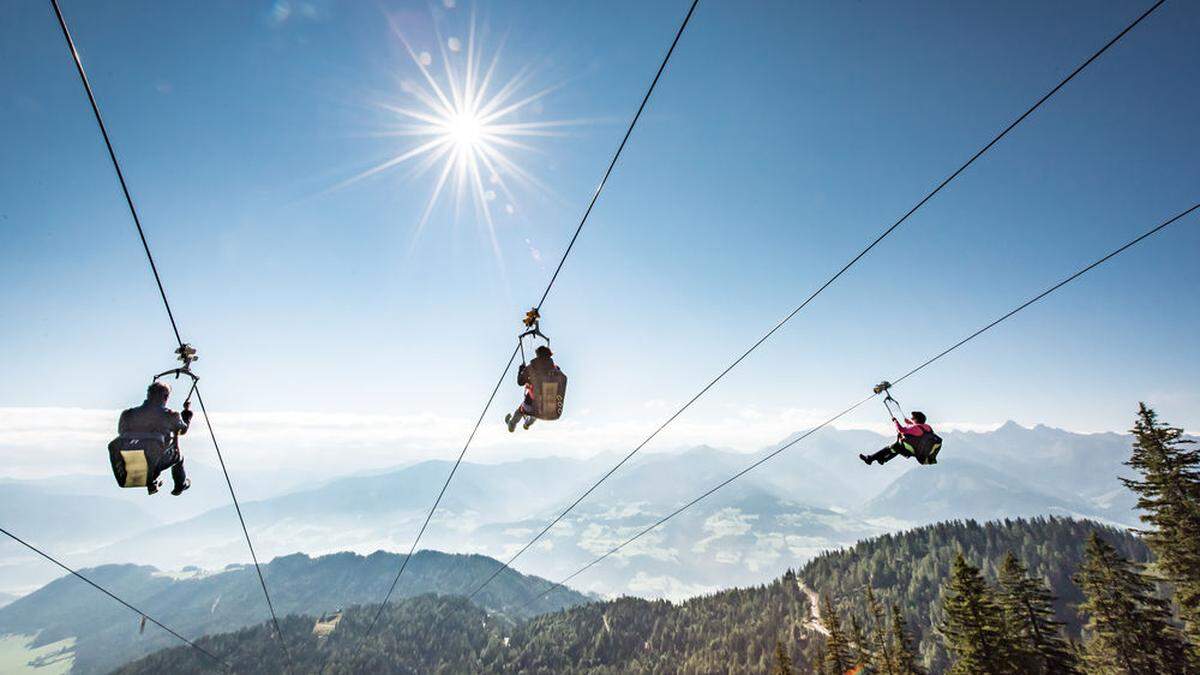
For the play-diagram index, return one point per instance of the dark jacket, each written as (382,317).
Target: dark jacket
(151,419)
(539,364)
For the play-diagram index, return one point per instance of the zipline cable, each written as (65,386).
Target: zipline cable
(114,596)
(831,420)
(617,155)
(262,582)
(457,462)
(579,228)
(137,221)
(1048,291)
(819,290)
(87,87)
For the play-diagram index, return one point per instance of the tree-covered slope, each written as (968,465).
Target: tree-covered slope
(731,631)
(107,634)
(910,568)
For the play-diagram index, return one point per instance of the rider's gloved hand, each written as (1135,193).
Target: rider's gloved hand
(187,414)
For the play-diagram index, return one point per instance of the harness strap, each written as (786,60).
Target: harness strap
(888,397)
(144,436)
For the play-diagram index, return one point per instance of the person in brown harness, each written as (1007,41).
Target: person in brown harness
(154,421)
(911,439)
(542,363)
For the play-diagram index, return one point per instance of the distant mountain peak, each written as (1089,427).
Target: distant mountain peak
(1012,426)
(305,585)
(704,450)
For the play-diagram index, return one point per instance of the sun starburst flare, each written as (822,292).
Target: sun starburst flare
(467,127)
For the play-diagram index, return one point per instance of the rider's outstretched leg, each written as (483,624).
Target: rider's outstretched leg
(882,456)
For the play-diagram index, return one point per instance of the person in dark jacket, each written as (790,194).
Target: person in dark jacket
(541,363)
(907,436)
(153,420)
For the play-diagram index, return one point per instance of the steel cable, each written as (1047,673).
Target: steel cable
(137,221)
(570,246)
(114,596)
(833,419)
(819,290)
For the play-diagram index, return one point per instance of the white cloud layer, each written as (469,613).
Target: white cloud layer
(43,441)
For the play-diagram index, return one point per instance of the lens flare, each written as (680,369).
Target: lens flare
(466,125)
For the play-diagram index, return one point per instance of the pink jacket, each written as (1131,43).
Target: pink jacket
(914,430)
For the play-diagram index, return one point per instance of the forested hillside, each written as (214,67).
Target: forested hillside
(106,635)
(910,568)
(734,630)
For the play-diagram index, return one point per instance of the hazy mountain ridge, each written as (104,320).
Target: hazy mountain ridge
(734,630)
(197,603)
(1084,466)
(961,488)
(815,496)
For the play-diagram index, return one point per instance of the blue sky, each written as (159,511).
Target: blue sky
(783,137)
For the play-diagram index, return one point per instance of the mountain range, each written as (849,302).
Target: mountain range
(735,630)
(196,603)
(814,497)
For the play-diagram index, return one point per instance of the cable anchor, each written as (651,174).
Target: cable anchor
(885,389)
(532,321)
(187,355)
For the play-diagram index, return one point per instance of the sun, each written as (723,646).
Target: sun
(465,130)
(467,126)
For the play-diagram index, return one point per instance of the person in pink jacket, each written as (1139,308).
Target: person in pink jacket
(908,440)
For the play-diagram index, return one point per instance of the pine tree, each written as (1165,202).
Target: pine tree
(1128,626)
(1029,614)
(1169,498)
(783,662)
(904,659)
(860,651)
(883,660)
(974,629)
(818,661)
(837,648)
